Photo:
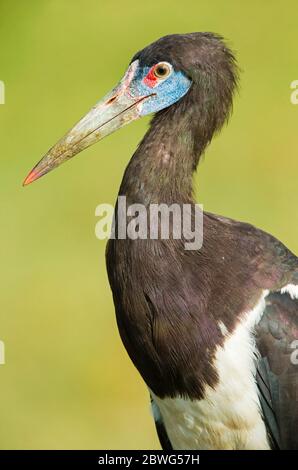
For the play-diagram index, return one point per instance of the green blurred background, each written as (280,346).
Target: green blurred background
(67,381)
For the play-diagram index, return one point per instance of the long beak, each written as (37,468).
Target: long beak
(115,110)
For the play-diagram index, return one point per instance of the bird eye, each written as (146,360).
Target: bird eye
(162,70)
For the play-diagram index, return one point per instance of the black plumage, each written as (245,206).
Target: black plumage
(169,302)
(210,330)
(277,375)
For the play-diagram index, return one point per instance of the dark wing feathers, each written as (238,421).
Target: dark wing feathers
(160,428)
(272,266)
(277,373)
(162,436)
(266,383)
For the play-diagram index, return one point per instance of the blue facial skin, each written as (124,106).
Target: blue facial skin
(167,91)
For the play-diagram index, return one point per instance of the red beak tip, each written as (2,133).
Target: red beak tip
(33,175)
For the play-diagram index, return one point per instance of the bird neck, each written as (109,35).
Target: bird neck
(161,169)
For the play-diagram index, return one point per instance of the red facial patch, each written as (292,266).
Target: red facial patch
(150,79)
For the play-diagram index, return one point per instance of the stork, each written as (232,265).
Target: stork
(211,331)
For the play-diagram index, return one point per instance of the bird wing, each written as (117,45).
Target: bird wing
(272,266)
(277,369)
(277,374)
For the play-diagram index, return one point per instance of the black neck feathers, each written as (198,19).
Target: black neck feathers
(161,169)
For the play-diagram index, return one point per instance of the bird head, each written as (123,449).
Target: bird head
(193,71)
